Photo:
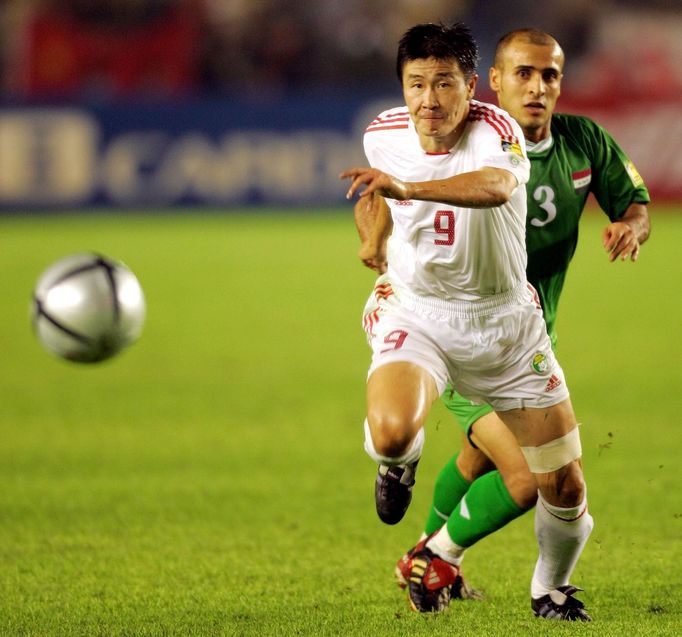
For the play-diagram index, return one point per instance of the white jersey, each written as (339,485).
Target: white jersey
(444,251)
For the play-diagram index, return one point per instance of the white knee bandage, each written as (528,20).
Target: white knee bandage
(412,454)
(554,454)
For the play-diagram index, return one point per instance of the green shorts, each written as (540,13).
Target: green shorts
(466,413)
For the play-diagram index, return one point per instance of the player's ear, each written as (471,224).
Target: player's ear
(471,86)
(494,79)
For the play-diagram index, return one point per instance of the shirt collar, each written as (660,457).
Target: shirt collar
(541,146)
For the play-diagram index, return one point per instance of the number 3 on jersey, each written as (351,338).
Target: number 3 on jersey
(444,225)
(544,195)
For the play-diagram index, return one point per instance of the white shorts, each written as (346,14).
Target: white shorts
(494,350)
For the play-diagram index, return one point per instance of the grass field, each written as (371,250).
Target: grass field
(211,480)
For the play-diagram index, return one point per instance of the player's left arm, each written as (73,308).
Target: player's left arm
(623,237)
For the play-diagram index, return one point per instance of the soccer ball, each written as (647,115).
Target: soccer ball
(87,308)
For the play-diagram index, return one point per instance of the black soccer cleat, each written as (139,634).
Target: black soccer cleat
(393,491)
(560,604)
(431,581)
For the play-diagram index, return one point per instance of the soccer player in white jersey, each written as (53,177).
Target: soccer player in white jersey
(447,177)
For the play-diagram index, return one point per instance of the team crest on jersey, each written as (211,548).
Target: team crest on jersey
(539,363)
(511,147)
(582,179)
(635,177)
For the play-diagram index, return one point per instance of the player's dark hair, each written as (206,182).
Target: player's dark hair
(529,35)
(443,42)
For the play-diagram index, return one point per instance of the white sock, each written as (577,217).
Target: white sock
(561,534)
(413,453)
(443,546)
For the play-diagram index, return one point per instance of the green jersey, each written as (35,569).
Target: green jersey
(579,159)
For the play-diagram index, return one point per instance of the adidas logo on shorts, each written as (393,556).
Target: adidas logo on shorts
(553,383)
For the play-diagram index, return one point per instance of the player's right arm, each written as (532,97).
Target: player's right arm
(617,186)
(623,237)
(483,188)
(374,224)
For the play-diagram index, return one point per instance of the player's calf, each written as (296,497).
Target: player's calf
(562,525)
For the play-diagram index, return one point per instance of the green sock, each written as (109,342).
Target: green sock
(486,507)
(449,489)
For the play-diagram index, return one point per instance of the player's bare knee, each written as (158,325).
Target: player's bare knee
(472,463)
(570,485)
(564,487)
(557,469)
(523,488)
(391,434)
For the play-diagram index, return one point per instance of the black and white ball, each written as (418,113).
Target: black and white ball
(87,308)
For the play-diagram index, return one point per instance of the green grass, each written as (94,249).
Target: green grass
(211,480)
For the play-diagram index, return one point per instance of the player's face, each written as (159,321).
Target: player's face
(437,96)
(528,83)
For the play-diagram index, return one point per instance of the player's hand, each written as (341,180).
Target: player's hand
(620,241)
(374,257)
(375,181)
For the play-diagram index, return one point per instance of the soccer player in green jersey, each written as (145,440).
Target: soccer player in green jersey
(488,483)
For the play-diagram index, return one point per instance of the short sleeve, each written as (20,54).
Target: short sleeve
(499,141)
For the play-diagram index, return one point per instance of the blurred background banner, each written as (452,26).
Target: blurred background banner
(229,153)
(214,153)
(221,103)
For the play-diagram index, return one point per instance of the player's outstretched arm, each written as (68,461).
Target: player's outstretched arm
(482,188)
(374,224)
(375,181)
(623,238)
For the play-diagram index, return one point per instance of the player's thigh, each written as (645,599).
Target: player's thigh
(536,426)
(499,444)
(491,438)
(472,462)
(551,446)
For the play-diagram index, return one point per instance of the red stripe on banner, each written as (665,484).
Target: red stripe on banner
(582,173)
